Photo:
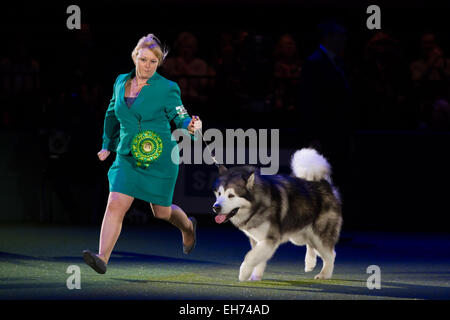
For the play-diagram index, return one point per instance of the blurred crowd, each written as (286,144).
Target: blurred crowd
(242,73)
(322,90)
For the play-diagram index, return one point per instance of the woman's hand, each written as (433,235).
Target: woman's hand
(195,124)
(103,154)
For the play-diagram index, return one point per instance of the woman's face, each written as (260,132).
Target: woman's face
(146,63)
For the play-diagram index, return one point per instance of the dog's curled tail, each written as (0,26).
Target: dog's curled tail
(308,164)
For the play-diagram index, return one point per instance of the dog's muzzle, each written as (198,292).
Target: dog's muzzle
(216,208)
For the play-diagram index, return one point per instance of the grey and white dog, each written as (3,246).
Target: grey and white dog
(303,208)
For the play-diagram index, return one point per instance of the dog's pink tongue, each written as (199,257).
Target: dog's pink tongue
(220,218)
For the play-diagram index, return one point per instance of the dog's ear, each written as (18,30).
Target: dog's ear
(222,169)
(250,181)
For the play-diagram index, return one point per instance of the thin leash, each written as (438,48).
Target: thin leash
(207,146)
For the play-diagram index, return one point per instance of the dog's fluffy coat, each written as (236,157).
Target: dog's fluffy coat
(303,208)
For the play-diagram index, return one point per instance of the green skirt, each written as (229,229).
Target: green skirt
(148,184)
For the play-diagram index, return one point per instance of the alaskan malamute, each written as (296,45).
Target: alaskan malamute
(304,208)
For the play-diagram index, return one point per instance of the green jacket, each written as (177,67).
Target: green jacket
(156,106)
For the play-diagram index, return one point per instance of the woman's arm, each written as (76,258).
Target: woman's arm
(175,110)
(111,128)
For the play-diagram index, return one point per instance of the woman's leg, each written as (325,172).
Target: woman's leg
(118,205)
(176,216)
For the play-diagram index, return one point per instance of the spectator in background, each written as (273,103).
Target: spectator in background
(384,85)
(431,76)
(286,73)
(325,105)
(228,78)
(324,90)
(86,50)
(191,72)
(432,65)
(287,60)
(440,117)
(20,85)
(242,61)
(225,63)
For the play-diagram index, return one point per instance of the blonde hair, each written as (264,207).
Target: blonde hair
(151,42)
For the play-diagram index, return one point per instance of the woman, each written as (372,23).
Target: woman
(137,127)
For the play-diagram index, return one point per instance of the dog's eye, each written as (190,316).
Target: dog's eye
(231,196)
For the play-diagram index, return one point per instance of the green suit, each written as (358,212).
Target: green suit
(157,104)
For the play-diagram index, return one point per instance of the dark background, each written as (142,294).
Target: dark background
(57,83)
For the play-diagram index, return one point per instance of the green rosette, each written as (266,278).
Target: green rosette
(146,147)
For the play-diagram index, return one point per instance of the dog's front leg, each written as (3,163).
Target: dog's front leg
(260,253)
(258,271)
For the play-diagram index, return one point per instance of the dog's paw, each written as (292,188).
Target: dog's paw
(255,277)
(322,276)
(309,268)
(244,272)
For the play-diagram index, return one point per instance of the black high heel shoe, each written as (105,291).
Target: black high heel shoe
(94,262)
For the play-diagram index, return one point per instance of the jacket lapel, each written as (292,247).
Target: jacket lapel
(122,96)
(134,107)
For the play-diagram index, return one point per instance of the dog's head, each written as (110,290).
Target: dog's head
(233,190)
